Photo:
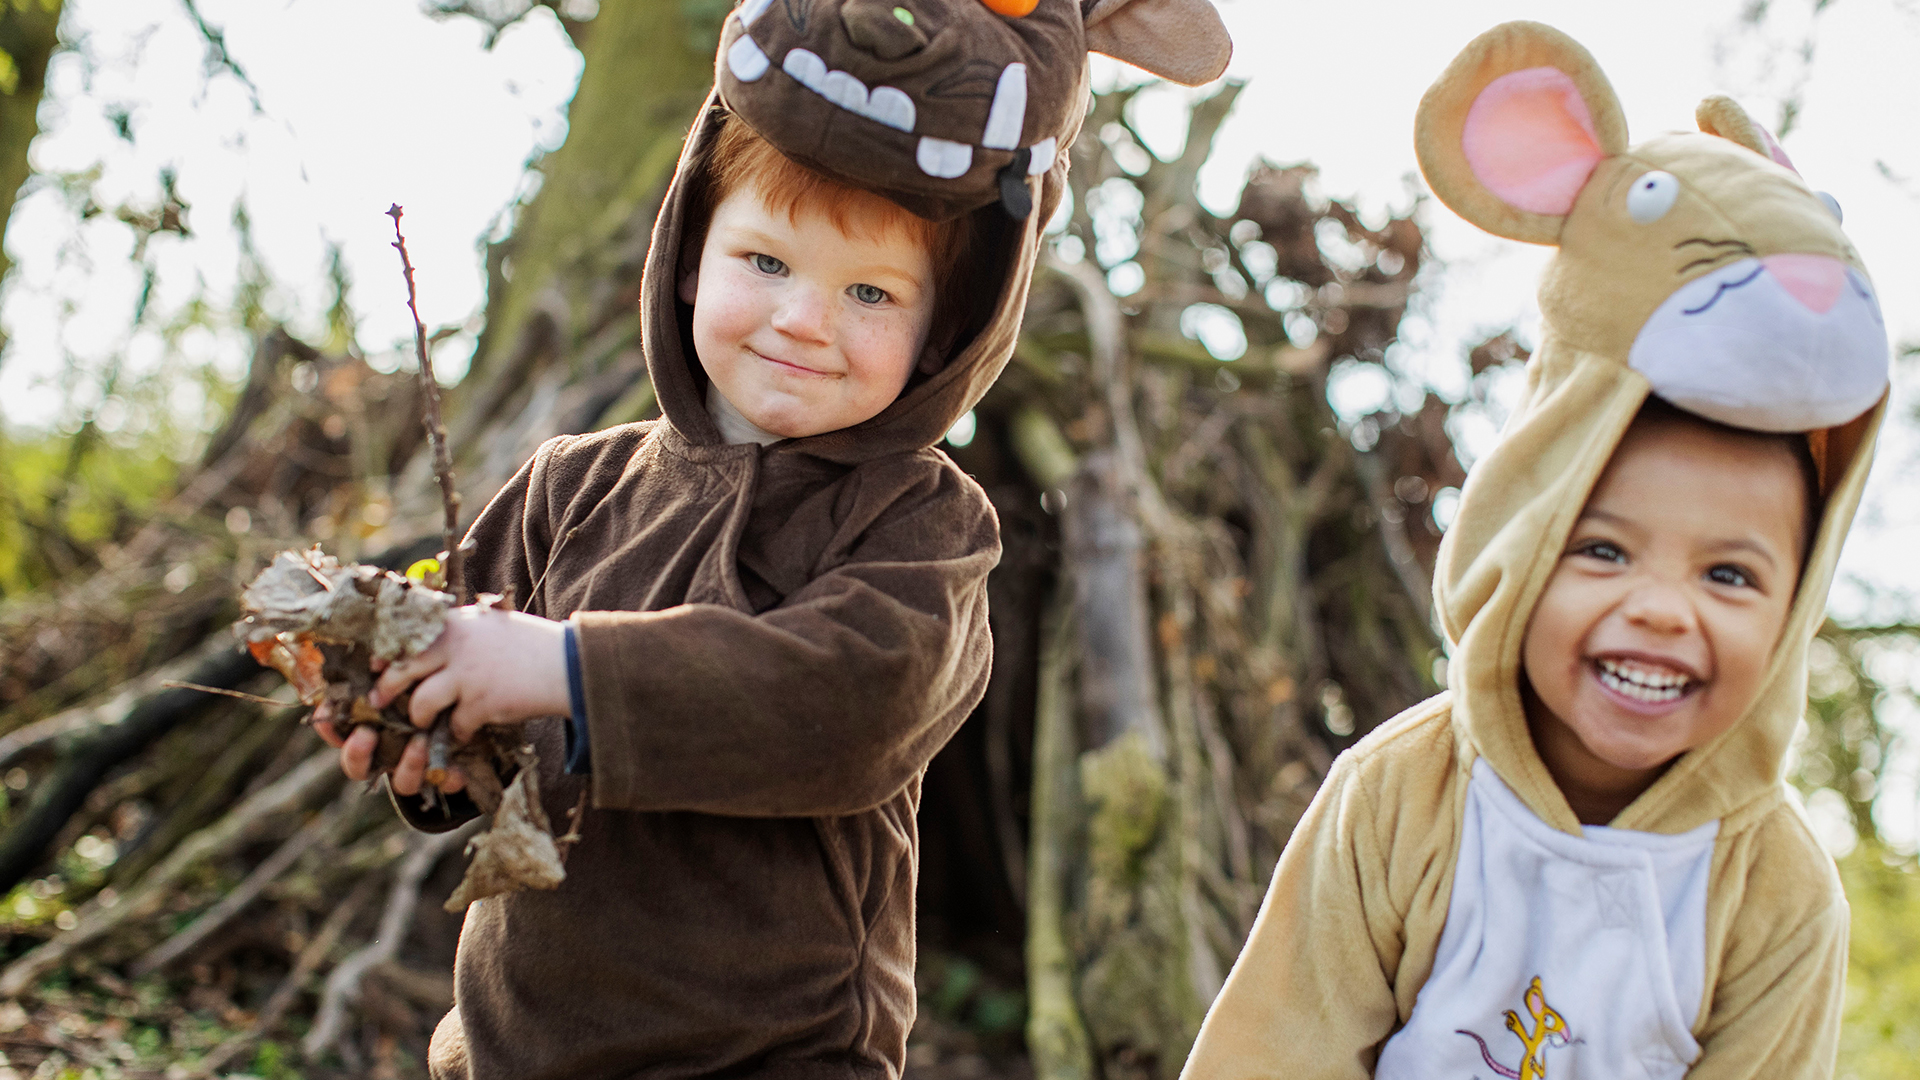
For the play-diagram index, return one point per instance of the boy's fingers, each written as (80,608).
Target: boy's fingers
(454,782)
(435,692)
(356,755)
(327,733)
(412,768)
(403,673)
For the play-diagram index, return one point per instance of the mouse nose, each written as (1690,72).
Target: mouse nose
(1814,280)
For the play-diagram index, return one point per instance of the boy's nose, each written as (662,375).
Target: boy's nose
(803,315)
(1814,280)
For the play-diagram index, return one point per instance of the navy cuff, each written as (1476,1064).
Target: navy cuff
(579,751)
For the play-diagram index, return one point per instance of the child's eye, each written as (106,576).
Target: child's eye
(869,294)
(1604,550)
(1731,575)
(766,264)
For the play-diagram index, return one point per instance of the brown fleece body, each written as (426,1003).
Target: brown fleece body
(775,641)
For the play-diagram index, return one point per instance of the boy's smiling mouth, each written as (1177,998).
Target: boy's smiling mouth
(1643,681)
(791,367)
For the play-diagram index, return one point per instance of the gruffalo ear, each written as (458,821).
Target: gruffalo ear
(1181,41)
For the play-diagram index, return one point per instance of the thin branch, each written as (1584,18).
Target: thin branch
(343,986)
(236,901)
(176,684)
(290,987)
(436,429)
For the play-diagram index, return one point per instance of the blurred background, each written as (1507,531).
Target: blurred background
(1256,344)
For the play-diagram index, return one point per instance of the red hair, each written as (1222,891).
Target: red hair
(741,159)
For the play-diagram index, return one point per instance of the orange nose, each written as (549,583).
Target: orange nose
(1012,8)
(1814,280)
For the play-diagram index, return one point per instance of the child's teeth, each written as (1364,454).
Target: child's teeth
(1641,684)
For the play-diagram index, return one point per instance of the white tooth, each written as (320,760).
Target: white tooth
(1043,153)
(752,10)
(1008,116)
(746,61)
(942,158)
(807,69)
(845,91)
(891,107)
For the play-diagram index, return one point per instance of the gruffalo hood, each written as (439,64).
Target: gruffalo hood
(1696,266)
(946,107)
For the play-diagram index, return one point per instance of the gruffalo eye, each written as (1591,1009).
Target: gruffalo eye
(1013,9)
(1652,196)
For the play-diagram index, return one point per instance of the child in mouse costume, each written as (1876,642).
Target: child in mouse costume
(775,595)
(1583,860)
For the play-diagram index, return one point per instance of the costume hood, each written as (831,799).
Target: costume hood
(946,107)
(1695,266)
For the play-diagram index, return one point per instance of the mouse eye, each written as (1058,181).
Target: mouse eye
(1013,9)
(1832,204)
(1652,196)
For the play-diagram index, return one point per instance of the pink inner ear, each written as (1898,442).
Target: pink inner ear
(1774,151)
(1529,138)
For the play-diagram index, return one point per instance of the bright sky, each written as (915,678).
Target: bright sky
(367,102)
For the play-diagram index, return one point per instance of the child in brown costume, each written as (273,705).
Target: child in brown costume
(774,597)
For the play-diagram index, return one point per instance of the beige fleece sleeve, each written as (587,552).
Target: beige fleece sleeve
(1782,920)
(1363,882)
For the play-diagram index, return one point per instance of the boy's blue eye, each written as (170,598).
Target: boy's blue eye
(869,294)
(1727,574)
(766,264)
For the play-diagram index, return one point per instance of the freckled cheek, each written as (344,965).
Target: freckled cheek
(729,308)
(883,346)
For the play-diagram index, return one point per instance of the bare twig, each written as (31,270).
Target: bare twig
(436,429)
(234,902)
(343,986)
(289,989)
(176,684)
(440,739)
(100,916)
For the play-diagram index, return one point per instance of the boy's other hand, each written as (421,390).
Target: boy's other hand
(357,749)
(490,666)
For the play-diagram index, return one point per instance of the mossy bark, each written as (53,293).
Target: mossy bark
(29,33)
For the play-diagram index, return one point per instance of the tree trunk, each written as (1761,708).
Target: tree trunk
(28,34)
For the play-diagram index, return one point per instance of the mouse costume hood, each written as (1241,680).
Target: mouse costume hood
(1440,888)
(772,642)
(1696,266)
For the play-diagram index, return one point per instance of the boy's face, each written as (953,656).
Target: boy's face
(802,327)
(1654,632)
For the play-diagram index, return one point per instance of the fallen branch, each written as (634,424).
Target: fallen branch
(92,742)
(343,986)
(102,915)
(290,987)
(234,902)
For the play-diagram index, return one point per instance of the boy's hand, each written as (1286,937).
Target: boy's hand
(491,666)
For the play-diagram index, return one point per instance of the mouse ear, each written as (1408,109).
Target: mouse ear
(1181,41)
(1512,129)
(1721,115)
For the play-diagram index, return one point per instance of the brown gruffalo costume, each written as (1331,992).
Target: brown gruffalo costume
(774,640)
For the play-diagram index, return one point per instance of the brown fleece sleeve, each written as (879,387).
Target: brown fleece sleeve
(1775,1008)
(826,704)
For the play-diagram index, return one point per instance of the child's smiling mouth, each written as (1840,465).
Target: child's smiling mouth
(792,368)
(1643,682)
